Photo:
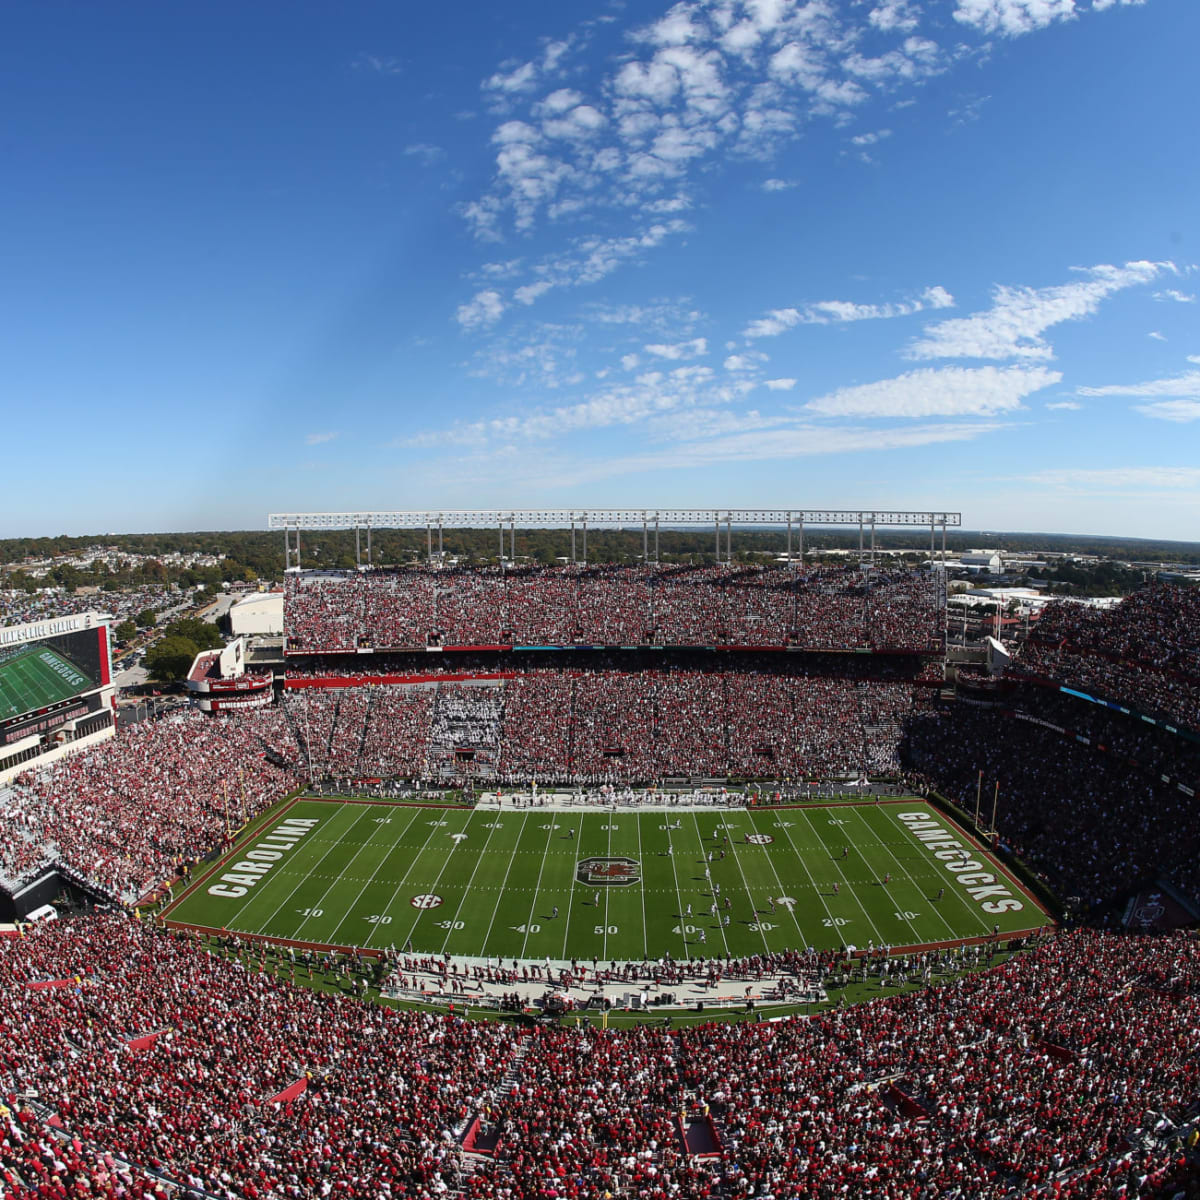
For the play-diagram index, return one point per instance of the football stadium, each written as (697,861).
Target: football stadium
(625,879)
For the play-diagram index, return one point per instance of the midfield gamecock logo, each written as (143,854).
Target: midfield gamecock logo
(608,872)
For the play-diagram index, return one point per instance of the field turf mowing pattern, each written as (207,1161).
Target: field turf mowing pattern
(35,677)
(362,873)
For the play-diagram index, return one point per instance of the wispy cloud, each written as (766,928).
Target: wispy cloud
(620,404)
(427,153)
(377,64)
(940,392)
(871,139)
(1120,480)
(778,441)
(1065,405)
(316,439)
(833,312)
(1176,295)
(1179,411)
(779,185)
(1187,384)
(678,350)
(1014,325)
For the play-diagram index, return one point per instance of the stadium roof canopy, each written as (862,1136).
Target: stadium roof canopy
(563,518)
(583,518)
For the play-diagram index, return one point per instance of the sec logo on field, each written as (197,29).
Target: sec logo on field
(759,839)
(426,900)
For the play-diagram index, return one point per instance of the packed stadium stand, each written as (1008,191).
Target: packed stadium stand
(817,608)
(138,1062)
(1057,1073)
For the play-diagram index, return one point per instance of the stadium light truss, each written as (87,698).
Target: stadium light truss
(579,519)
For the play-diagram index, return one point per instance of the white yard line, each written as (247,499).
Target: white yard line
(816,889)
(720,923)
(538,886)
(437,879)
(917,939)
(365,886)
(745,882)
(678,894)
(467,891)
(571,900)
(642,887)
(264,833)
(608,891)
(790,907)
(512,858)
(976,850)
(837,863)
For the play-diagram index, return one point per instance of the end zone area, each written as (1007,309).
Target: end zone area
(561,883)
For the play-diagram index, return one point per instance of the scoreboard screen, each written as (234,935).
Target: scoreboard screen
(36,675)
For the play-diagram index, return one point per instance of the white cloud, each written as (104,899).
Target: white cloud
(529,292)
(774,323)
(630,362)
(779,385)
(1155,335)
(1187,384)
(316,439)
(743,362)
(1066,405)
(1180,411)
(871,139)
(767,440)
(427,153)
(692,349)
(894,14)
(778,185)
(650,394)
(1120,479)
(938,392)
(830,312)
(591,259)
(485,308)
(1176,295)
(1013,17)
(1013,326)
(516,79)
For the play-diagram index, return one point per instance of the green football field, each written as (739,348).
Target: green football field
(536,883)
(35,677)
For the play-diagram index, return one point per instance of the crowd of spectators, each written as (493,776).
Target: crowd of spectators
(1143,652)
(580,726)
(814,608)
(1065,1071)
(1094,823)
(126,814)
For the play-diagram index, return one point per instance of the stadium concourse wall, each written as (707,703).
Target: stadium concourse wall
(52,756)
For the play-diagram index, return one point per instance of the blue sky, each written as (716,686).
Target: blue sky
(859,253)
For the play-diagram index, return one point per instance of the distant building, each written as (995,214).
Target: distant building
(256,615)
(981,560)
